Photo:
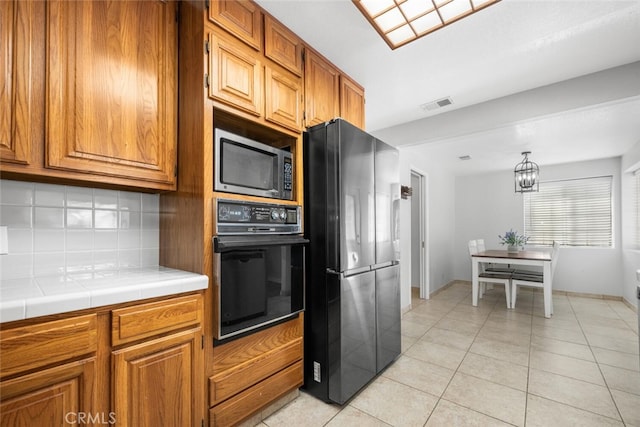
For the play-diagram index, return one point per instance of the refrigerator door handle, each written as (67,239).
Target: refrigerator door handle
(349,273)
(383,265)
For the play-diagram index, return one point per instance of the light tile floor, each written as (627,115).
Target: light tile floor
(490,366)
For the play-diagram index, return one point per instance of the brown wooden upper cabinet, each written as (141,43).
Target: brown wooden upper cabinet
(112,88)
(241,18)
(244,79)
(236,75)
(106,108)
(321,89)
(18,28)
(352,101)
(283,96)
(282,46)
(266,81)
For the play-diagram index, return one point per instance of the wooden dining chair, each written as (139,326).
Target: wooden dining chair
(536,281)
(485,277)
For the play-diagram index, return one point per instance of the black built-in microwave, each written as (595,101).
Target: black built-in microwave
(245,166)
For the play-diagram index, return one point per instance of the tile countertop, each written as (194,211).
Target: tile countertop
(40,296)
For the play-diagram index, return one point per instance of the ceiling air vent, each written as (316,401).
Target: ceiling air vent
(465,157)
(434,105)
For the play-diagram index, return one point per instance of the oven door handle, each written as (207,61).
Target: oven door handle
(228,243)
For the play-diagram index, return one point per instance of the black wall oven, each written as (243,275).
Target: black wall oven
(259,262)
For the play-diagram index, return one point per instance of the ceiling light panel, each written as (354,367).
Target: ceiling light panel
(402,21)
(413,9)
(390,20)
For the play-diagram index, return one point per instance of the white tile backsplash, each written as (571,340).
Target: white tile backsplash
(57,229)
(129,201)
(17,192)
(106,219)
(16,266)
(79,218)
(48,263)
(79,197)
(105,199)
(107,239)
(49,195)
(46,240)
(16,216)
(79,240)
(49,217)
(21,240)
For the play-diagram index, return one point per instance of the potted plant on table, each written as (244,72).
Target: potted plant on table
(513,240)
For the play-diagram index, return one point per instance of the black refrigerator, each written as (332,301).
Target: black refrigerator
(352,292)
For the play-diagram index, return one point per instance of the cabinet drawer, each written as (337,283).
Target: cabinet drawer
(34,346)
(255,398)
(227,357)
(243,376)
(145,320)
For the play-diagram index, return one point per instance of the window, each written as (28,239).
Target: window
(574,212)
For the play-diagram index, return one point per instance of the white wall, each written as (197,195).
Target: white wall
(630,253)
(486,206)
(439,198)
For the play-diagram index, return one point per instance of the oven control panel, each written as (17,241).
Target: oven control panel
(236,217)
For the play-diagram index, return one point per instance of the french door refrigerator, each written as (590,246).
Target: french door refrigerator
(351,209)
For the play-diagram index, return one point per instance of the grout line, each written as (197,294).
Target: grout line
(604,378)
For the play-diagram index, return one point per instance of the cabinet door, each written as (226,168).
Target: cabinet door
(282,46)
(351,102)
(18,26)
(241,18)
(160,382)
(51,397)
(235,74)
(111,93)
(321,89)
(283,95)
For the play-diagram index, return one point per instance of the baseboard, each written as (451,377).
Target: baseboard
(448,285)
(629,304)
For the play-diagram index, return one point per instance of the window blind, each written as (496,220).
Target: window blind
(574,212)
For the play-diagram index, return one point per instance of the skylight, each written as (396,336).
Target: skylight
(402,21)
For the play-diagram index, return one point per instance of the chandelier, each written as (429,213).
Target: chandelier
(526,175)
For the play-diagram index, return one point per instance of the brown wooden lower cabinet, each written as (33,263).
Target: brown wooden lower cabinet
(128,365)
(156,383)
(244,404)
(62,395)
(140,365)
(245,375)
(254,371)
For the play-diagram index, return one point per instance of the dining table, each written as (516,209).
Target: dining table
(519,258)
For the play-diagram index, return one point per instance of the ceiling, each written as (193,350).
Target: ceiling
(560,78)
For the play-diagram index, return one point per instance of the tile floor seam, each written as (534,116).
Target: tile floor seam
(441,397)
(471,409)
(615,404)
(578,408)
(526,399)
(455,371)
